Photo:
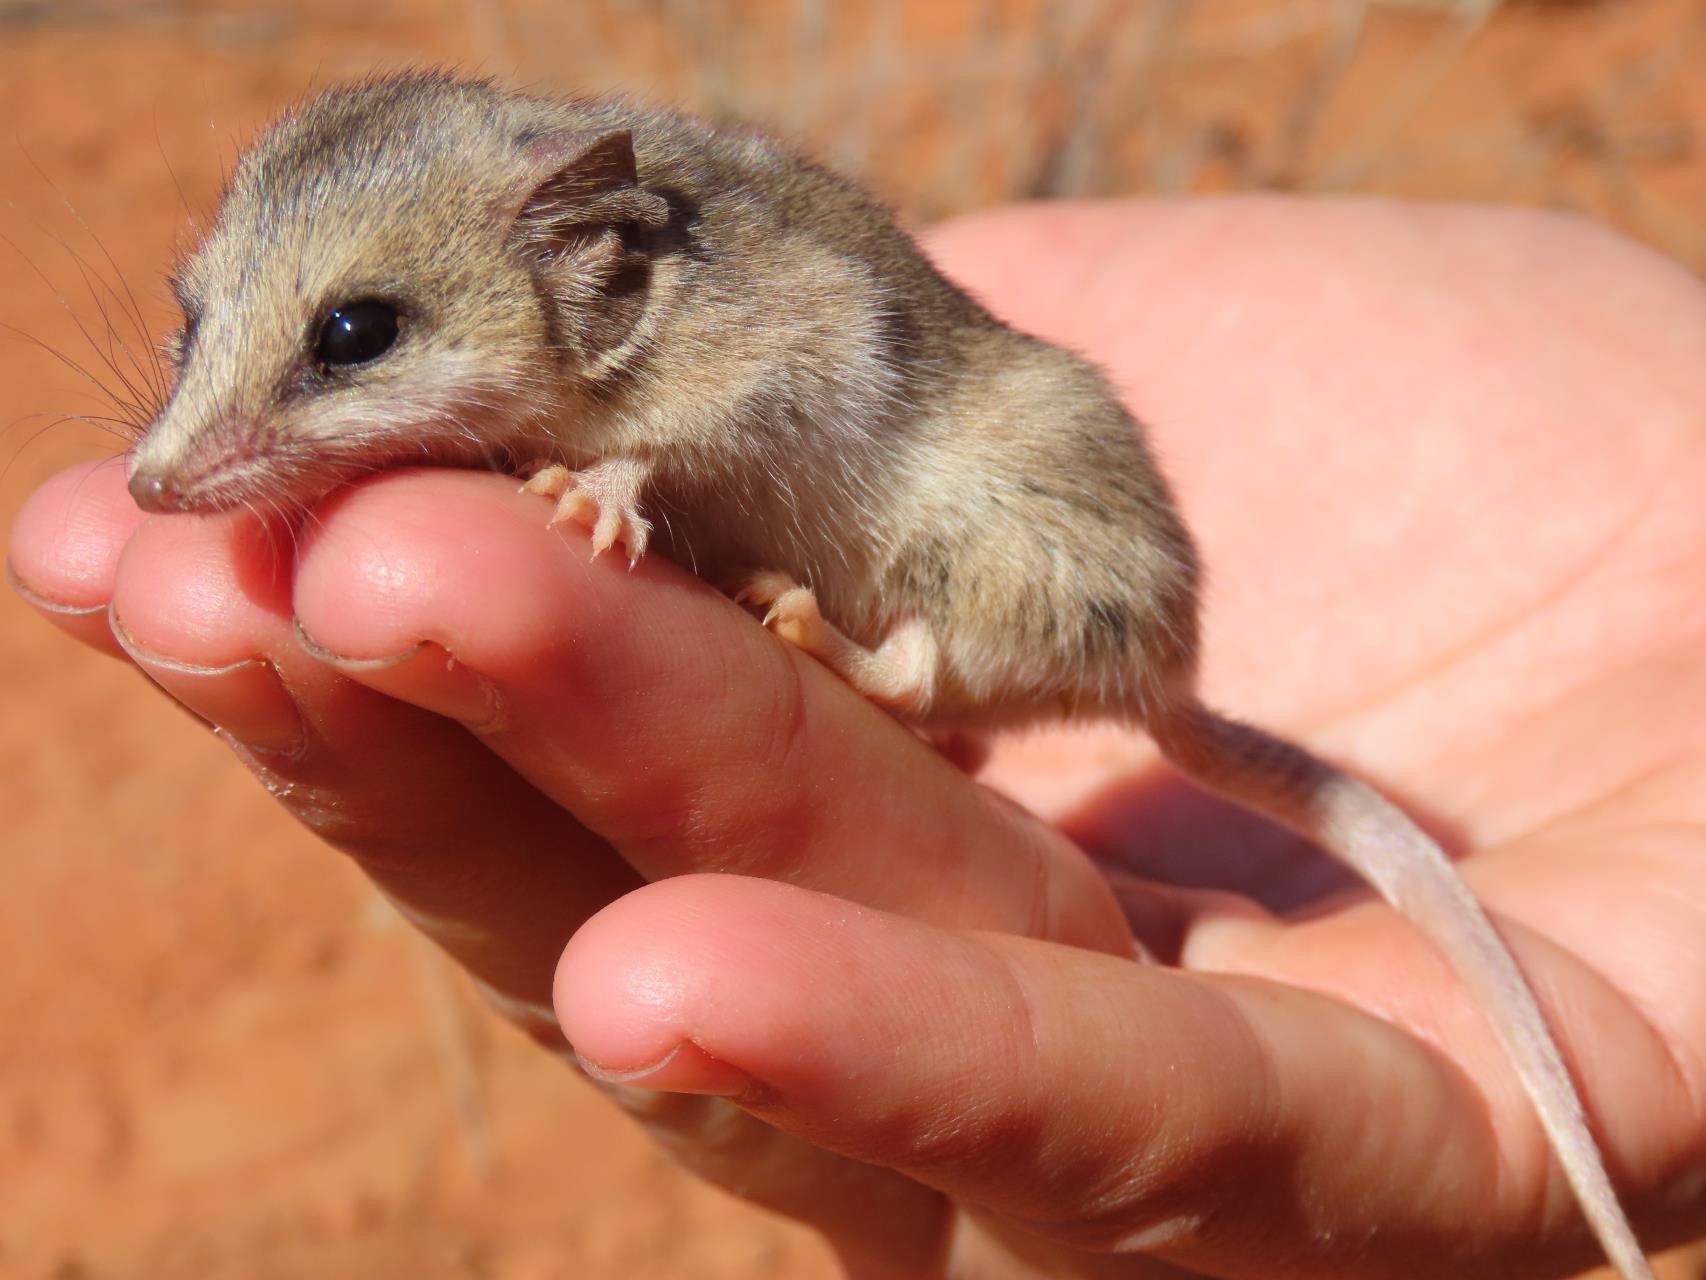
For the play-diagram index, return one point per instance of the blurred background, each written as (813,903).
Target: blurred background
(220,1057)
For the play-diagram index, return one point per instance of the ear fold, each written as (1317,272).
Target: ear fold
(576,218)
(586,184)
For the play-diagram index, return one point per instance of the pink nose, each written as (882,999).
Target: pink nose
(155,493)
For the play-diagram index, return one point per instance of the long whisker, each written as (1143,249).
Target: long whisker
(107,354)
(183,200)
(150,371)
(141,404)
(118,428)
(134,309)
(40,431)
(140,412)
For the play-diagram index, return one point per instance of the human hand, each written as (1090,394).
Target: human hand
(1444,465)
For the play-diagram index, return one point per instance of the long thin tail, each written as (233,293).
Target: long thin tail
(1359,826)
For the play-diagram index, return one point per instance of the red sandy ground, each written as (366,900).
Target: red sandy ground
(221,1057)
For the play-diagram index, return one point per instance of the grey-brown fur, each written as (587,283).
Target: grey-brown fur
(703,327)
(814,397)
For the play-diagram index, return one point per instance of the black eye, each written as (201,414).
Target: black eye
(356,333)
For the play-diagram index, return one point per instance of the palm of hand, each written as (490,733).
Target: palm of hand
(1462,551)
(1446,495)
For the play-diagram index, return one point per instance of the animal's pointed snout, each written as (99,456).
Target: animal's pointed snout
(154,492)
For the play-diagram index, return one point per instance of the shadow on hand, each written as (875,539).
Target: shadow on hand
(1155,825)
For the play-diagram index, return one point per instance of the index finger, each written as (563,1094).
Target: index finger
(668,720)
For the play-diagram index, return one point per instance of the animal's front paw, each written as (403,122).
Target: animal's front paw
(792,611)
(604,498)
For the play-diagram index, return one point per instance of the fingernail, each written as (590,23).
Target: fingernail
(245,700)
(684,1069)
(425,674)
(36,600)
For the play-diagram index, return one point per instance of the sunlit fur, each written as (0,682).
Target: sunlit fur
(809,394)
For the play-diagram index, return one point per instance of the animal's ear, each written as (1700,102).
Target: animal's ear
(581,184)
(581,218)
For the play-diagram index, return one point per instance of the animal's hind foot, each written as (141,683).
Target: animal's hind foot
(790,610)
(899,674)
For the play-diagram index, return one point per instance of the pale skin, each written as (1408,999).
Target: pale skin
(1446,470)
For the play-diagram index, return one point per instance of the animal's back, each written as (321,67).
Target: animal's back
(809,393)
